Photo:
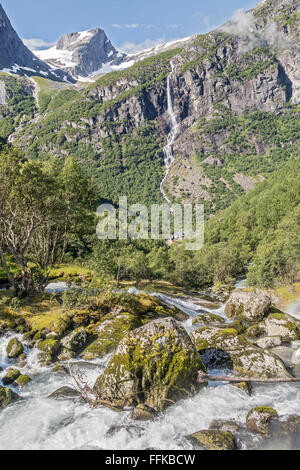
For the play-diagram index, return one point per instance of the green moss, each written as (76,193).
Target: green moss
(23,380)
(217,339)
(214,440)
(14,348)
(157,369)
(255,331)
(7,397)
(266,409)
(278,316)
(50,346)
(56,322)
(110,331)
(10,376)
(258,419)
(208,318)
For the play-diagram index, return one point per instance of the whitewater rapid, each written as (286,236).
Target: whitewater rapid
(37,422)
(174,130)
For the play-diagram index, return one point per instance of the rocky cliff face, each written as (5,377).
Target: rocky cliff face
(82,54)
(216,81)
(16,58)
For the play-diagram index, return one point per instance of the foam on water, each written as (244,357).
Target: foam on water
(37,422)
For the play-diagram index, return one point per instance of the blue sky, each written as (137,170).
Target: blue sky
(128,23)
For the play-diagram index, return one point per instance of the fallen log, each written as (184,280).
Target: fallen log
(202,377)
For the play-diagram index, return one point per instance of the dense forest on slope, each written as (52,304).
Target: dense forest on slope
(259,231)
(236,100)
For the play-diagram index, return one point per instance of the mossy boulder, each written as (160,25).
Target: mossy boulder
(80,318)
(75,340)
(7,397)
(109,332)
(248,306)
(142,413)
(269,342)
(221,348)
(50,347)
(259,418)
(214,440)
(279,324)
(14,348)
(23,380)
(48,323)
(64,393)
(255,331)
(208,319)
(156,365)
(66,354)
(145,304)
(10,376)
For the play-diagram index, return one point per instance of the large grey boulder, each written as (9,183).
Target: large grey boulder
(75,340)
(285,326)
(156,364)
(258,419)
(225,348)
(248,306)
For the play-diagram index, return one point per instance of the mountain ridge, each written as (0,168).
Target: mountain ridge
(15,57)
(215,80)
(82,54)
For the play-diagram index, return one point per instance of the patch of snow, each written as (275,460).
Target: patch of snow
(123,65)
(84,35)
(63,56)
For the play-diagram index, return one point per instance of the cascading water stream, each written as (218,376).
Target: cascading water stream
(37,422)
(174,129)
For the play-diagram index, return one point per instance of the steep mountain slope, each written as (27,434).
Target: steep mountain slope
(234,92)
(82,54)
(17,103)
(260,231)
(16,58)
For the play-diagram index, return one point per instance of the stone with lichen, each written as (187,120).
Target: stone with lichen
(156,365)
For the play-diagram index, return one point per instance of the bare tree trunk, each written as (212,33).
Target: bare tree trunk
(10,277)
(27,283)
(118,274)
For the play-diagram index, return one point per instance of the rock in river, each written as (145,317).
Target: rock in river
(214,440)
(259,418)
(248,306)
(156,365)
(14,348)
(225,348)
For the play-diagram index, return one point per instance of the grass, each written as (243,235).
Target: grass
(287,295)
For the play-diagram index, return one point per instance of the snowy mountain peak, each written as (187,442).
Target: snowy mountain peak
(81,53)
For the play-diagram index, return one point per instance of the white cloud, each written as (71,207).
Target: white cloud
(244,25)
(126,26)
(133,26)
(173,26)
(35,44)
(134,48)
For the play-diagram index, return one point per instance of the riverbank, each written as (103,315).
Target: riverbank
(64,421)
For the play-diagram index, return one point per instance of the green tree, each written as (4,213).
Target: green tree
(42,207)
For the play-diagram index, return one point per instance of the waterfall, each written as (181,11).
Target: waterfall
(2,93)
(174,128)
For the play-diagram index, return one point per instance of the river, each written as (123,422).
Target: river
(37,422)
